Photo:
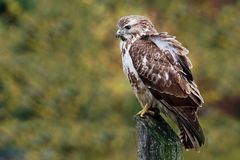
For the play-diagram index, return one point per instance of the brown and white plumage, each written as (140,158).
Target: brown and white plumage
(158,69)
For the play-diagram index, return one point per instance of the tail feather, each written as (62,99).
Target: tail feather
(191,133)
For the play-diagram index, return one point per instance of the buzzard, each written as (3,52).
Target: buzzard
(158,69)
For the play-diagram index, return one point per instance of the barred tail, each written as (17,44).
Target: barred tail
(191,133)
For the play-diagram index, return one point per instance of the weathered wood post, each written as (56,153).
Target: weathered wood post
(157,140)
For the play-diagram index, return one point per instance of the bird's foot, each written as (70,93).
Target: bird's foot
(144,111)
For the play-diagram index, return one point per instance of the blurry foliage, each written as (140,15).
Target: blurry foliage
(62,91)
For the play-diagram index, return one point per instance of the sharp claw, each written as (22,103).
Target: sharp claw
(144,111)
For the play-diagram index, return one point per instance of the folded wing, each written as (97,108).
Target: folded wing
(165,69)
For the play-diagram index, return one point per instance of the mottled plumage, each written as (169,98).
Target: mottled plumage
(158,70)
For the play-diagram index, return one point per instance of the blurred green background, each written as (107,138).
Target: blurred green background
(62,91)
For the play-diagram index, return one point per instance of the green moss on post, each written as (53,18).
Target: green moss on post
(157,140)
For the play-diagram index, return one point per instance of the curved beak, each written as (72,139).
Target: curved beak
(118,34)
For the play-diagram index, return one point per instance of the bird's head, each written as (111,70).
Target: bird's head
(134,26)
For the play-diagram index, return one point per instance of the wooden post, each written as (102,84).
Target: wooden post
(157,140)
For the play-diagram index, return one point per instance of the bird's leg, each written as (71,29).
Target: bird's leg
(145,110)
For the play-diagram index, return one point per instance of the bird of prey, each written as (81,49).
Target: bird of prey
(158,69)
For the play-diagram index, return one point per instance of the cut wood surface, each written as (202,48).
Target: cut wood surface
(157,140)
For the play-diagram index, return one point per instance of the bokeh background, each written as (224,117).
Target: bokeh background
(62,91)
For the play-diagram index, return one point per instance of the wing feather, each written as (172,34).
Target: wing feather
(163,66)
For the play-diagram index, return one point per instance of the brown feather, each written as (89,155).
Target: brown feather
(162,75)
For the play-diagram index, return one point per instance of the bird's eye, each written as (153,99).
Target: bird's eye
(128,27)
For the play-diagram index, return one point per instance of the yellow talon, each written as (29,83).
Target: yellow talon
(144,111)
